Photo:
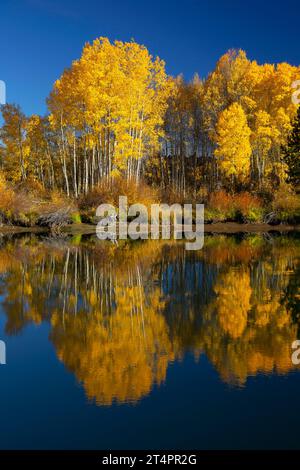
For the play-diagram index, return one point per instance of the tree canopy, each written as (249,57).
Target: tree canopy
(116,112)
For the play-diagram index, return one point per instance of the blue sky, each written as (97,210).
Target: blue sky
(39,38)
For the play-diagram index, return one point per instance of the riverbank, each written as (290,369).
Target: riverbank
(219,227)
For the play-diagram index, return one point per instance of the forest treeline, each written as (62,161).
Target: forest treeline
(116,115)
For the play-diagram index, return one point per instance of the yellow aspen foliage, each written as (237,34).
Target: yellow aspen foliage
(233,142)
(233,301)
(115,95)
(13,136)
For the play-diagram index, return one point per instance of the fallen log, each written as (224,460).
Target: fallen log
(55,220)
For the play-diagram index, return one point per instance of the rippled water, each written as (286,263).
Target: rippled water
(147,345)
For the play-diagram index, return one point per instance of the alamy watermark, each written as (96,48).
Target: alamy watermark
(2,92)
(296,353)
(295,94)
(2,353)
(138,222)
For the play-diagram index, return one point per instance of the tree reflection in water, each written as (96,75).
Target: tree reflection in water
(120,314)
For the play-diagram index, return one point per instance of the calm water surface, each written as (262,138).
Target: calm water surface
(146,345)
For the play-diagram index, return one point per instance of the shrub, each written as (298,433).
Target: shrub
(28,205)
(109,192)
(202,194)
(6,200)
(242,207)
(170,196)
(76,218)
(212,216)
(6,194)
(220,206)
(248,208)
(286,205)
(32,187)
(88,216)
(255,215)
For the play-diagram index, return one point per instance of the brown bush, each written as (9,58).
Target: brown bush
(248,208)
(32,187)
(221,201)
(27,205)
(246,201)
(109,192)
(242,207)
(6,195)
(286,205)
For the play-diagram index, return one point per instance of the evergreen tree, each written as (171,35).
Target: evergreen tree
(291,152)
